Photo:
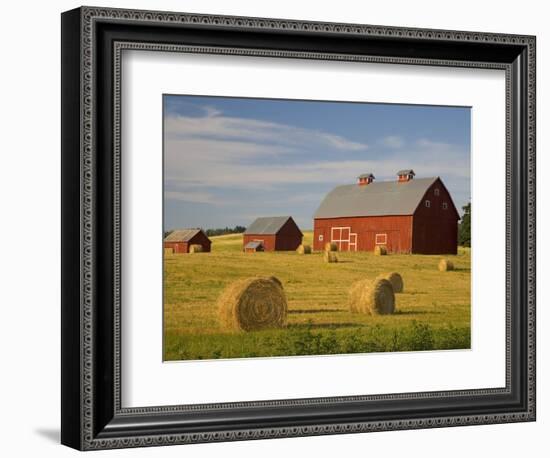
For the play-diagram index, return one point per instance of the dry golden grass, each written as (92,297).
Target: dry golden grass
(317,294)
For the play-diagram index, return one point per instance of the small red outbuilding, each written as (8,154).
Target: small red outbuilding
(181,239)
(274,233)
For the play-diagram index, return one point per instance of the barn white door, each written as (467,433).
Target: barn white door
(344,238)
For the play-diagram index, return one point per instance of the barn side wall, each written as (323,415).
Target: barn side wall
(178,247)
(435,229)
(398,230)
(268,240)
(289,237)
(201,239)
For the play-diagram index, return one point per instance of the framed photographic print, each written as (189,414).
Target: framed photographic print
(279,228)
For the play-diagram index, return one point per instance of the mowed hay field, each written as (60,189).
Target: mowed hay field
(433,312)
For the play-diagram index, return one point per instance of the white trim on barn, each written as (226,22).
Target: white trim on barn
(352,236)
(385,236)
(345,236)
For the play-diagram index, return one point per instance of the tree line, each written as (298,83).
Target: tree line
(225,230)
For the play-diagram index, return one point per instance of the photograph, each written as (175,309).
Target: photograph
(312,227)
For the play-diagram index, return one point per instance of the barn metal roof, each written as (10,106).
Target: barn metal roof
(267,225)
(406,172)
(384,198)
(182,235)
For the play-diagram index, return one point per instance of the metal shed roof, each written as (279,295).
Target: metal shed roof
(384,198)
(254,244)
(267,225)
(182,235)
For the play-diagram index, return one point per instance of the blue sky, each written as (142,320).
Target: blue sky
(230,160)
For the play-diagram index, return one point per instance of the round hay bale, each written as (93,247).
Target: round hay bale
(168,251)
(355,293)
(372,297)
(395,279)
(276,280)
(445,265)
(195,248)
(331,246)
(304,249)
(380,250)
(330,256)
(253,304)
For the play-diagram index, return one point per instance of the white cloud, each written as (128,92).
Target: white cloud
(435,147)
(251,176)
(392,141)
(216,126)
(191,196)
(208,156)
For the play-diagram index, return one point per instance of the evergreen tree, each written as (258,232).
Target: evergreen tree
(464,234)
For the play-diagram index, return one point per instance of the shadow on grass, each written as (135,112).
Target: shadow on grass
(317,311)
(413,312)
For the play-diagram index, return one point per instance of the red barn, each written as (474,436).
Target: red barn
(276,233)
(407,215)
(181,239)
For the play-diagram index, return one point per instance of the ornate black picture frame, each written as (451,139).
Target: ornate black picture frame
(92,42)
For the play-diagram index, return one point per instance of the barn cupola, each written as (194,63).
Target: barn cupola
(405,175)
(365,179)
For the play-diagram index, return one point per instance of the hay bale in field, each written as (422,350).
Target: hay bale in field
(331,246)
(372,297)
(395,279)
(355,293)
(252,304)
(330,256)
(304,249)
(380,250)
(445,265)
(195,248)
(168,251)
(276,280)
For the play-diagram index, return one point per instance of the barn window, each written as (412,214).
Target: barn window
(427,203)
(445,206)
(436,192)
(381,239)
(320,237)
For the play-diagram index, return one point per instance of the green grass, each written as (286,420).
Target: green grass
(433,312)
